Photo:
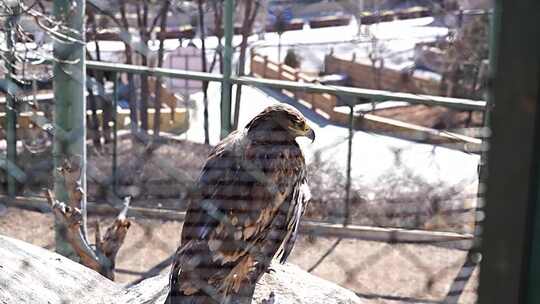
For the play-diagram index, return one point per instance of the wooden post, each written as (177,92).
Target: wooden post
(70,107)
(251,61)
(296,78)
(265,66)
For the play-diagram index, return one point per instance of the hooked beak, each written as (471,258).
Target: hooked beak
(311,135)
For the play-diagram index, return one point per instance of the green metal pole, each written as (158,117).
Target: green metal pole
(472,258)
(495,27)
(349,160)
(70,107)
(533,282)
(11,116)
(226,84)
(533,278)
(510,270)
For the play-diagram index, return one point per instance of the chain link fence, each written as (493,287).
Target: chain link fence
(393,220)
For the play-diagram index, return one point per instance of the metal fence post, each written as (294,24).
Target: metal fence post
(510,243)
(115,133)
(226,84)
(11,115)
(70,107)
(349,160)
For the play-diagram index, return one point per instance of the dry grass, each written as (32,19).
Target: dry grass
(383,272)
(397,199)
(386,273)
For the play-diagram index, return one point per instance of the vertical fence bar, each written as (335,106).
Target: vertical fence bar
(533,277)
(115,133)
(473,257)
(509,271)
(226,85)
(11,115)
(349,165)
(70,108)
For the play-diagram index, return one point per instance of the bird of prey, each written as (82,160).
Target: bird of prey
(244,212)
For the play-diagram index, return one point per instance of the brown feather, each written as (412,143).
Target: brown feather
(243,212)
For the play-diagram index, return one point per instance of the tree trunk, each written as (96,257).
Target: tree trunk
(204,68)
(106,104)
(142,22)
(250,13)
(218,24)
(157,94)
(94,126)
(131,80)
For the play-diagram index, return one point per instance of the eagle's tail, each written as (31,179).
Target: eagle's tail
(186,267)
(193,270)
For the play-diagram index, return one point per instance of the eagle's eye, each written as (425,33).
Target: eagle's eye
(300,125)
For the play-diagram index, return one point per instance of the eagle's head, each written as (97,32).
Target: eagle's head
(281,120)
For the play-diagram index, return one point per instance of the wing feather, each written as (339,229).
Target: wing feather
(246,208)
(297,206)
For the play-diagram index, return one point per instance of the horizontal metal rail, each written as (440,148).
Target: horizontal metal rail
(307,227)
(150,71)
(359,93)
(363,94)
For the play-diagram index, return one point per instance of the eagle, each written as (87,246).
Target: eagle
(244,212)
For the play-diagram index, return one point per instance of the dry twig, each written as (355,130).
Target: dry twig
(102,256)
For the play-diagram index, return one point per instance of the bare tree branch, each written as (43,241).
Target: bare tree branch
(105,12)
(102,257)
(72,219)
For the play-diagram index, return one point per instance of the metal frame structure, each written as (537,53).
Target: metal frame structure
(511,263)
(69,116)
(510,271)
(511,235)
(359,96)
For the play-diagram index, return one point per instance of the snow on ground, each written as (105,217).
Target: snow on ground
(396,41)
(372,154)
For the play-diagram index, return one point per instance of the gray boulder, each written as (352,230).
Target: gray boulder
(30,274)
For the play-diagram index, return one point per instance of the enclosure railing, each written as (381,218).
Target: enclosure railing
(355,96)
(454,240)
(361,94)
(358,95)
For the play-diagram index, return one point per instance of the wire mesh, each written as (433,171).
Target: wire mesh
(397,227)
